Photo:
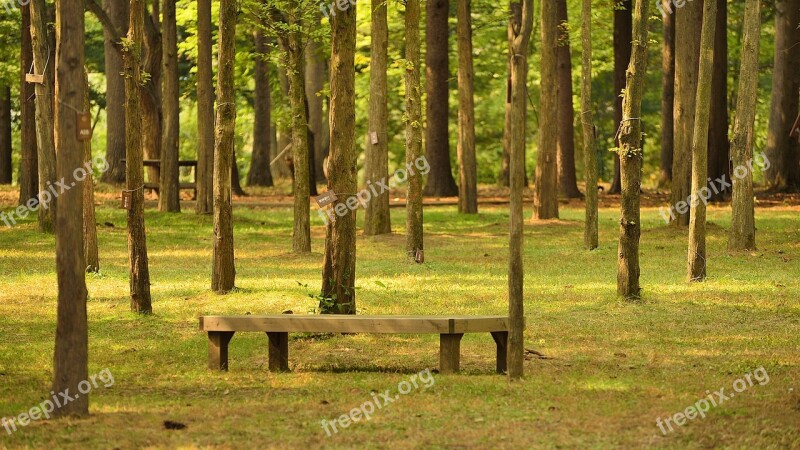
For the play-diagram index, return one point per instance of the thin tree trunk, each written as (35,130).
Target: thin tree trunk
(718,143)
(223,277)
(667,97)
(782,151)
(467,163)
(115,93)
(623,32)
(90,247)
(137,238)
(71,360)
(631,158)
(545,203)
(43,63)
(437,62)
(505,164)
(414,232)
(260,173)
(236,179)
(377,219)
(205,110)
(29,167)
(567,178)
(283,165)
(169,199)
(315,84)
(520,28)
(6,146)
(590,234)
(152,112)
(700,189)
(743,227)
(339,266)
(687,53)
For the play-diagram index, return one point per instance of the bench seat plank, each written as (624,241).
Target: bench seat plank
(333,323)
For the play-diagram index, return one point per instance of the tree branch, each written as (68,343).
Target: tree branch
(98,11)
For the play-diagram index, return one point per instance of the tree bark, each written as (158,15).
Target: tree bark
(223,277)
(590,234)
(260,173)
(90,248)
(169,199)
(115,93)
(667,97)
(283,165)
(134,154)
(743,227)
(377,219)
(71,360)
(44,63)
(205,110)
(29,166)
(6,146)
(782,151)
(236,179)
(567,178)
(505,164)
(623,32)
(414,232)
(437,62)
(339,266)
(520,27)
(631,158)
(546,190)
(718,143)
(700,189)
(467,162)
(687,53)
(315,84)
(152,112)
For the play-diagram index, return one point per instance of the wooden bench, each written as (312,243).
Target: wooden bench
(156,186)
(450,329)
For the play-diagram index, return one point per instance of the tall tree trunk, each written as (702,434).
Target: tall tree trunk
(700,189)
(315,84)
(169,198)
(71,361)
(590,234)
(467,163)
(743,227)
(437,62)
(623,32)
(205,110)
(718,143)
(414,232)
(29,167)
(236,179)
(505,164)
(567,178)
(117,11)
(6,146)
(137,238)
(44,63)
(152,112)
(631,158)
(90,249)
(223,277)
(667,96)
(260,173)
(782,151)
(339,267)
(545,202)
(520,27)
(687,53)
(283,165)
(377,219)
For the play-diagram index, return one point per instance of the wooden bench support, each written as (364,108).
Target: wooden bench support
(449,352)
(278,352)
(218,349)
(501,339)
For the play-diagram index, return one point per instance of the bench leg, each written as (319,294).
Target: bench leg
(449,353)
(501,338)
(278,352)
(218,349)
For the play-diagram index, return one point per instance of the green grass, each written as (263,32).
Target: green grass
(615,366)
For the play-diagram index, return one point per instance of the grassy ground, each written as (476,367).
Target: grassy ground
(612,369)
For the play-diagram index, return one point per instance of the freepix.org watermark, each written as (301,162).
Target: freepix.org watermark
(9,5)
(53,191)
(665,6)
(716,186)
(378,401)
(702,406)
(44,409)
(329,10)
